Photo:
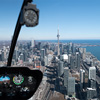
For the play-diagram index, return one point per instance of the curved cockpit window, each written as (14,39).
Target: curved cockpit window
(65,46)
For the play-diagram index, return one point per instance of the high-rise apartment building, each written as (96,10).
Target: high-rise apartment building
(73,48)
(82,79)
(66,75)
(60,68)
(71,86)
(32,43)
(42,54)
(77,58)
(72,62)
(92,73)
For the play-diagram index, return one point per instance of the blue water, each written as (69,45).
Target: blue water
(95,50)
(74,41)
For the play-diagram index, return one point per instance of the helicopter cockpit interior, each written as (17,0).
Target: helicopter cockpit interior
(20,83)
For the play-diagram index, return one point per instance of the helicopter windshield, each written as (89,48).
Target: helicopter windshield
(61,38)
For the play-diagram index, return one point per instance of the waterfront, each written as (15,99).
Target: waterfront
(95,50)
(92,42)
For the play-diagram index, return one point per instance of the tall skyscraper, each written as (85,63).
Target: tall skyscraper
(72,62)
(60,68)
(71,86)
(84,53)
(92,77)
(66,75)
(25,55)
(3,56)
(70,48)
(39,46)
(58,41)
(82,79)
(73,48)
(92,73)
(77,60)
(42,54)
(46,60)
(32,43)
(61,49)
(69,58)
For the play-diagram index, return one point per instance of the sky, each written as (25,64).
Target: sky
(77,19)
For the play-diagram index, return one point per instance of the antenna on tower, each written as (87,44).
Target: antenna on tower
(58,32)
(58,41)
(58,29)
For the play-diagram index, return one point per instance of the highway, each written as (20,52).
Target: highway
(51,80)
(46,89)
(86,68)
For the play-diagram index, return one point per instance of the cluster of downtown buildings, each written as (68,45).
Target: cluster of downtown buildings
(26,53)
(76,69)
(77,73)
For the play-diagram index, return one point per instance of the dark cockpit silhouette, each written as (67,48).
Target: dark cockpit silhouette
(20,83)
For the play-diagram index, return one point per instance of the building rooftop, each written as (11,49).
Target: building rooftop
(92,67)
(65,56)
(82,70)
(90,89)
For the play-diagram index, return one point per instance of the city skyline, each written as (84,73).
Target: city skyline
(76,19)
(73,74)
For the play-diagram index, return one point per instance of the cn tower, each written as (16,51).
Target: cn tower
(58,41)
